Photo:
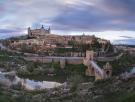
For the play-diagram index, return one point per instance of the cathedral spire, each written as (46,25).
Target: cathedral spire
(42,26)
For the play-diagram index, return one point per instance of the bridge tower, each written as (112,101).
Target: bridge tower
(92,68)
(86,61)
(107,70)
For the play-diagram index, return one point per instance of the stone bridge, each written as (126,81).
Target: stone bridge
(94,70)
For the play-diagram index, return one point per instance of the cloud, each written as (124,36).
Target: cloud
(128,37)
(68,15)
(101,16)
(125,41)
(23,13)
(119,7)
(9,30)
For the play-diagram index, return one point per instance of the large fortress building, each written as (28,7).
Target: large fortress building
(43,40)
(38,32)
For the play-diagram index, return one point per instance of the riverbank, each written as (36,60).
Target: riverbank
(116,89)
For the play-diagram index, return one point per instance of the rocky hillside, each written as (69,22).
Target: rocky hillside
(116,89)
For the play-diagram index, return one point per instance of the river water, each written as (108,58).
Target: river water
(8,79)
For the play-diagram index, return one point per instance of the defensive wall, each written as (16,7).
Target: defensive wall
(68,60)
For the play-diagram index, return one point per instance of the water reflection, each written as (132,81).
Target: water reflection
(31,84)
(9,79)
(133,71)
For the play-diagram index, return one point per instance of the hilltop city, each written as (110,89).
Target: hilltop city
(67,50)
(54,68)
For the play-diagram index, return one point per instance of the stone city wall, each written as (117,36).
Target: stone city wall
(68,60)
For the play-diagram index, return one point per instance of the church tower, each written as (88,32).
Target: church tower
(29,32)
(42,30)
(49,30)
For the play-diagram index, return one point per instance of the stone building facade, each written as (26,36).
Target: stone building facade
(38,32)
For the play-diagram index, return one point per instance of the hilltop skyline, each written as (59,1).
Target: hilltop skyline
(100,17)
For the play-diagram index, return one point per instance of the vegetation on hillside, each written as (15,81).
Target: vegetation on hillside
(124,64)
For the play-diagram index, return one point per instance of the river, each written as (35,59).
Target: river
(10,78)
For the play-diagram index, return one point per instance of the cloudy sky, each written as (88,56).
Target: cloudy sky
(110,19)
